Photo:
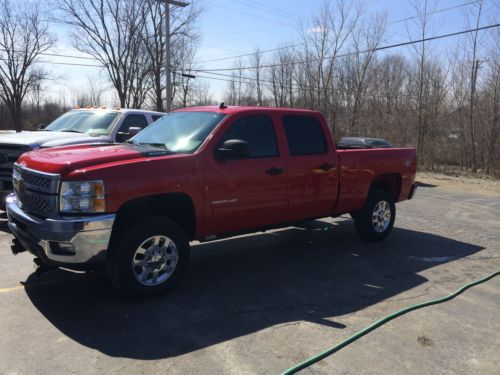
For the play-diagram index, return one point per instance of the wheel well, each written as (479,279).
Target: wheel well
(177,207)
(389,182)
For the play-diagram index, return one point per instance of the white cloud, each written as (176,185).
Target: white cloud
(315,29)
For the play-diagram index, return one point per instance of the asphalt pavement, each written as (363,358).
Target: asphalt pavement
(259,304)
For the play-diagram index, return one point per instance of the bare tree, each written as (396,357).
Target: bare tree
(424,10)
(280,77)
(236,86)
(182,80)
(473,82)
(324,38)
(256,61)
(111,32)
(90,95)
(24,35)
(366,39)
(201,94)
(492,105)
(182,33)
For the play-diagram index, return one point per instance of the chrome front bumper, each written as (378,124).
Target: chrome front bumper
(63,241)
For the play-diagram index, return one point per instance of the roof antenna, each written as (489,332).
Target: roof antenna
(222,106)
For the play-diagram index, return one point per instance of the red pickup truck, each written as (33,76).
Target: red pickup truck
(197,174)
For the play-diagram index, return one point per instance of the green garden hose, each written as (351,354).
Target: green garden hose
(318,357)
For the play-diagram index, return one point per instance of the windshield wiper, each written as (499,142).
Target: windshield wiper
(152,144)
(70,131)
(157,145)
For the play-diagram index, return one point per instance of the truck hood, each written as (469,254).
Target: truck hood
(64,160)
(37,139)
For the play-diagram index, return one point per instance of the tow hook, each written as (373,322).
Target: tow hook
(16,247)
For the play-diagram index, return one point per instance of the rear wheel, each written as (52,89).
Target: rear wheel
(148,256)
(375,221)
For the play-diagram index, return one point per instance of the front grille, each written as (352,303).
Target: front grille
(36,191)
(8,156)
(36,203)
(33,180)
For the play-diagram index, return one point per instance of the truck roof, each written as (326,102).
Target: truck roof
(242,109)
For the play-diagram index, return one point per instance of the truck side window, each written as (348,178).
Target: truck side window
(156,117)
(258,131)
(305,135)
(133,120)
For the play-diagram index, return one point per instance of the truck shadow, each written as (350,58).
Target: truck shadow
(243,285)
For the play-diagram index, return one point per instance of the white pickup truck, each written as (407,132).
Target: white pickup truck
(79,126)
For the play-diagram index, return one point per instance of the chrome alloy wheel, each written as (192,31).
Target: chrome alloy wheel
(155,260)
(381,216)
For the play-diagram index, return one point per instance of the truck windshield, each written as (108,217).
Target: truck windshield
(88,122)
(179,131)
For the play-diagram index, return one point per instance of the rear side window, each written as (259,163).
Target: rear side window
(305,135)
(156,117)
(258,132)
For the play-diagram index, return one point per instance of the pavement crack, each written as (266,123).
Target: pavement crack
(424,293)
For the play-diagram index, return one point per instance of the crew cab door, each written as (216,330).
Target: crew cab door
(246,192)
(312,167)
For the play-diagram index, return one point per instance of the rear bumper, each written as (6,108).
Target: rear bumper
(61,242)
(413,190)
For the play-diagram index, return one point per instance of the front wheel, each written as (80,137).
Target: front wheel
(375,221)
(148,256)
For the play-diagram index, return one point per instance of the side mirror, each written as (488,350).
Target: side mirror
(42,126)
(233,149)
(134,130)
(122,136)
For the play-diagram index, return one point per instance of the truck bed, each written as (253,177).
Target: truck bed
(358,168)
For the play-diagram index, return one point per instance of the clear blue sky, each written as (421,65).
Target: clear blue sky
(232,27)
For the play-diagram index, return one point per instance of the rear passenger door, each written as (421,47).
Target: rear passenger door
(312,169)
(249,192)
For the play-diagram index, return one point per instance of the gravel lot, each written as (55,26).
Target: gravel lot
(259,304)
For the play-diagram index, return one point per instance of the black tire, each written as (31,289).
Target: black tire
(364,219)
(3,203)
(128,240)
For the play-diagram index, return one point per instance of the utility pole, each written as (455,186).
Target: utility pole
(168,52)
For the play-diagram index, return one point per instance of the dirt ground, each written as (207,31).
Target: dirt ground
(484,186)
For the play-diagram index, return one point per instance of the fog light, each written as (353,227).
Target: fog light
(62,248)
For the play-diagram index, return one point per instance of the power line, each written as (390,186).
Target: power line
(216,47)
(302,44)
(267,8)
(245,31)
(253,53)
(246,54)
(437,11)
(299,86)
(239,77)
(353,53)
(61,63)
(60,55)
(212,71)
(275,9)
(249,14)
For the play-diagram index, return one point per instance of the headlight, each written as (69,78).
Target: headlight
(82,196)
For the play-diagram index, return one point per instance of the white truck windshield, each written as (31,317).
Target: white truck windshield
(88,122)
